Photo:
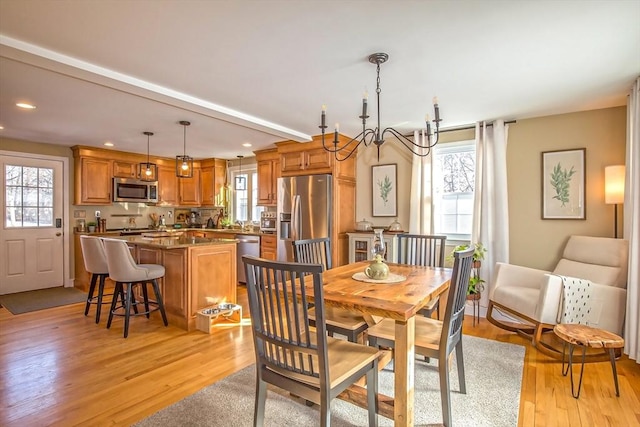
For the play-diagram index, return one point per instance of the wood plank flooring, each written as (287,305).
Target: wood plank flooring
(59,368)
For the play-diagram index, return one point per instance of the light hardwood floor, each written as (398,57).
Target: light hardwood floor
(59,368)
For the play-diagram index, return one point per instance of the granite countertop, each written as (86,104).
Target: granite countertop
(175,242)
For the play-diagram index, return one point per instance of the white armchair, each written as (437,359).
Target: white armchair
(534,297)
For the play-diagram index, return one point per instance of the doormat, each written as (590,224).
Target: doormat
(41,299)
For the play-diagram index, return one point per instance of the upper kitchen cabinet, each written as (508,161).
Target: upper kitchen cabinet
(124,169)
(174,191)
(268,168)
(311,158)
(92,178)
(189,189)
(167,186)
(305,162)
(212,177)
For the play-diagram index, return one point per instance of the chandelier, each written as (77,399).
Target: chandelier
(376,136)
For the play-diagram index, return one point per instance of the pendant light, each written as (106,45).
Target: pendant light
(184,163)
(241,181)
(148,171)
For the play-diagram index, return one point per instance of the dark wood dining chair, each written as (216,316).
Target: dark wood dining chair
(290,353)
(339,321)
(425,250)
(437,339)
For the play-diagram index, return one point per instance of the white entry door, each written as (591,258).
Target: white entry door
(31,246)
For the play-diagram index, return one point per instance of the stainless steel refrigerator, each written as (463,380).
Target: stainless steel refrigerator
(304,210)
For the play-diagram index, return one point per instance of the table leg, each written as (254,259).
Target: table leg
(612,357)
(404,372)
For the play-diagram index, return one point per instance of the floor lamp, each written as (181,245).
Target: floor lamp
(614,190)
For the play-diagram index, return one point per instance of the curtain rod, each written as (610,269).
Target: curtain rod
(463,127)
(467,127)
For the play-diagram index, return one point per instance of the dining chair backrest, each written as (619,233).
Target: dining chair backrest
(95,259)
(421,249)
(313,251)
(122,266)
(457,296)
(283,340)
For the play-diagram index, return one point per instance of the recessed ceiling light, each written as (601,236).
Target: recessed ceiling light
(26,106)
(1,127)
(246,144)
(108,144)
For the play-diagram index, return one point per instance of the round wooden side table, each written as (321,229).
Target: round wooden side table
(587,337)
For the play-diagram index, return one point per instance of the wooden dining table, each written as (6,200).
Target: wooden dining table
(399,301)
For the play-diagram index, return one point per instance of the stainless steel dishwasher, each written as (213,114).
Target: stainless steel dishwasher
(247,245)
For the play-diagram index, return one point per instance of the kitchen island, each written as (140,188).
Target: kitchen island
(199,272)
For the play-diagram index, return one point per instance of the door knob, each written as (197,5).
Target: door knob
(58,234)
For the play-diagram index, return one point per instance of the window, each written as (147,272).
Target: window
(454,172)
(28,197)
(244,206)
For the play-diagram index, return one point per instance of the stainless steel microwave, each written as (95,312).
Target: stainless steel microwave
(133,190)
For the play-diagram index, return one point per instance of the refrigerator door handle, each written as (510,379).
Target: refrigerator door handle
(295,217)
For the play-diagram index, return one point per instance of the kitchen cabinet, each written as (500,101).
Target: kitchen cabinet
(167,186)
(312,161)
(174,191)
(189,189)
(212,177)
(93,184)
(268,170)
(268,247)
(360,245)
(123,169)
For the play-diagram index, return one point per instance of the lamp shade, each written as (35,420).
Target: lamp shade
(614,184)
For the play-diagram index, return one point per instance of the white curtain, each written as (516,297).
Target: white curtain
(421,199)
(632,224)
(490,204)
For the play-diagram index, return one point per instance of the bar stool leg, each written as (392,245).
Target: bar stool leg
(156,290)
(116,292)
(613,367)
(127,308)
(145,295)
(92,288)
(100,295)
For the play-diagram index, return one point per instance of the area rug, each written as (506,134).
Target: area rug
(24,302)
(493,376)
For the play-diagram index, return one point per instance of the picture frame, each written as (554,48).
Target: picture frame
(563,184)
(384,191)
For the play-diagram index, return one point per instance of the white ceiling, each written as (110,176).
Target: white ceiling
(259,71)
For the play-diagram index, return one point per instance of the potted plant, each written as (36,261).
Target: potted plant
(91,226)
(476,284)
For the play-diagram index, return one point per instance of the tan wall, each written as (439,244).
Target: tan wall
(538,243)
(533,242)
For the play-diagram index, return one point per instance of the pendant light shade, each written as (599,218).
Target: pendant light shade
(241,181)
(148,171)
(184,163)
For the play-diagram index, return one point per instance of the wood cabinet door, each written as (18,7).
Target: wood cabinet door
(265,183)
(167,187)
(268,247)
(95,181)
(207,183)
(318,160)
(292,162)
(189,189)
(125,169)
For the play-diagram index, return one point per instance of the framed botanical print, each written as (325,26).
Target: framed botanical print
(384,192)
(563,184)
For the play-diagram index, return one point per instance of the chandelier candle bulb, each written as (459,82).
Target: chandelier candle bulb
(323,116)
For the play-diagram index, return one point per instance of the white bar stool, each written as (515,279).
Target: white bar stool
(126,273)
(95,262)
